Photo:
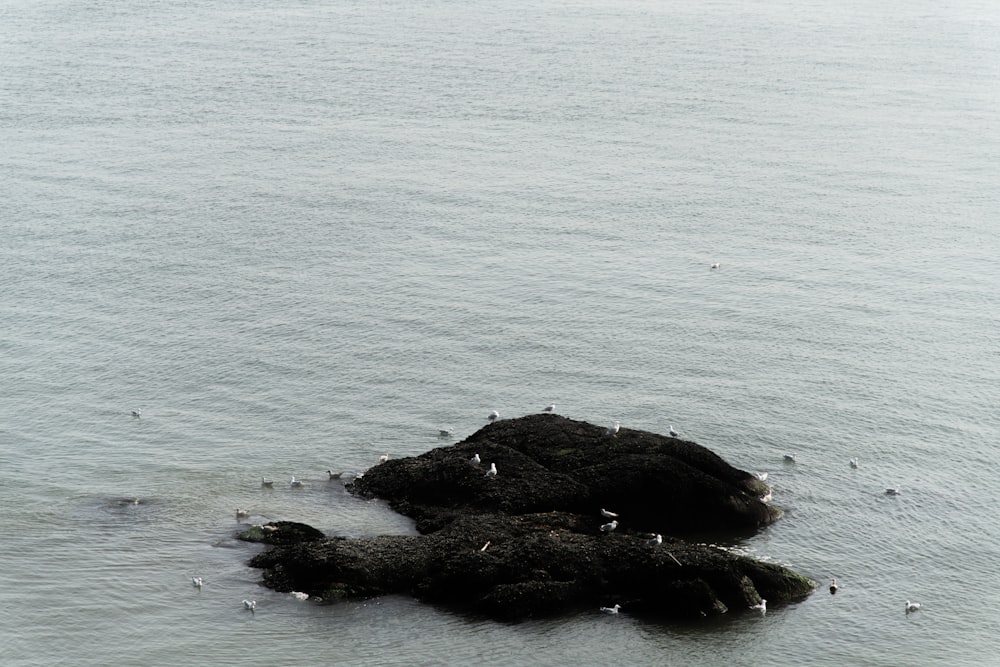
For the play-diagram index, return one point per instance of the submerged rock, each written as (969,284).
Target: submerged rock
(528,542)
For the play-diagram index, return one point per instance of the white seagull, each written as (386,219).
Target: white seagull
(833,587)
(656,541)
(197,582)
(296,482)
(912,606)
(892,491)
(241,513)
(493,416)
(475,460)
(762,607)
(383,458)
(716,265)
(608,515)
(672,432)
(608,527)
(612,430)
(790,458)
(762,476)
(492,472)
(264,481)
(854,462)
(550,408)
(137,412)
(767,497)
(611,610)
(250,604)
(299,595)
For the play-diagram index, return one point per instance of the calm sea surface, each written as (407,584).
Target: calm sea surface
(299,235)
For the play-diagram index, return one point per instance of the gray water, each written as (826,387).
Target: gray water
(301,235)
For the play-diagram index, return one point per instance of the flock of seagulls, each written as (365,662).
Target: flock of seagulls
(611,431)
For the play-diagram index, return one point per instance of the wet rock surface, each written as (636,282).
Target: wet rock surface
(528,541)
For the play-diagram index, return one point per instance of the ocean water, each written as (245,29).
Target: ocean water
(299,236)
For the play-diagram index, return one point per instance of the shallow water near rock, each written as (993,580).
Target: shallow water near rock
(298,237)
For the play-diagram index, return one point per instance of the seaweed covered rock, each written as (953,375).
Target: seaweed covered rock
(547,462)
(528,541)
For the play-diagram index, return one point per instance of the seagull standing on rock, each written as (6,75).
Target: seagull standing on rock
(611,610)
(612,430)
(609,527)
(492,472)
(762,607)
(672,432)
(608,515)
(383,458)
(475,460)
(656,541)
(493,416)
(550,408)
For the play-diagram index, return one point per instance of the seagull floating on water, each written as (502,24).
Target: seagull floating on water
(242,513)
(892,491)
(833,587)
(609,527)
(296,482)
(137,412)
(608,515)
(264,481)
(197,582)
(656,541)
(550,408)
(444,433)
(383,458)
(854,462)
(790,458)
(493,416)
(492,472)
(475,460)
(672,432)
(716,265)
(611,610)
(334,475)
(912,606)
(612,430)
(762,607)
(250,604)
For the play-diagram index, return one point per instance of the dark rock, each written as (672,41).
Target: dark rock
(527,542)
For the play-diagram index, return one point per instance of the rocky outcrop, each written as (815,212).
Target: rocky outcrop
(528,541)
